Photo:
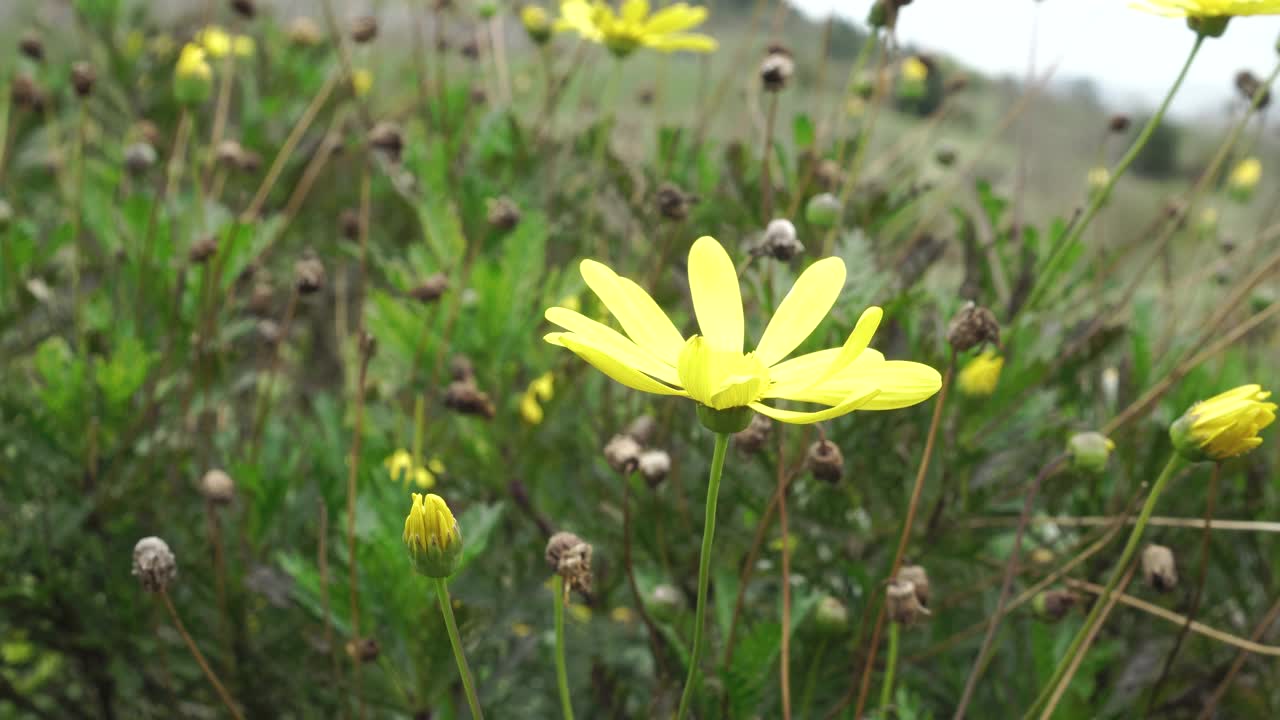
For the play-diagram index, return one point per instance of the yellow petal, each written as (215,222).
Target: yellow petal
(638,314)
(635,11)
(808,302)
(717,301)
(608,340)
(675,43)
(603,362)
(805,418)
(902,384)
(675,18)
(815,363)
(850,352)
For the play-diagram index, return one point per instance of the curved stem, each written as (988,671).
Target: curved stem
(1175,462)
(1100,198)
(886,690)
(562,673)
(704,571)
(468,683)
(195,653)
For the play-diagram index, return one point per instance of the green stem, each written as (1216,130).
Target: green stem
(562,673)
(468,683)
(1099,198)
(1135,536)
(811,681)
(886,690)
(704,571)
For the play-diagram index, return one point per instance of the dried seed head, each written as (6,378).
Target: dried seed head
(1119,123)
(364,650)
(364,29)
(304,32)
(645,96)
(945,155)
(1248,84)
(387,137)
(262,298)
(623,453)
(478,95)
(1158,568)
(777,68)
(470,50)
(917,576)
(461,369)
(217,487)
(203,249)
(828,174)
(641,428)
(245,8)
(973,325)
(779,241)
(654,466)
(430,290)
(570,558)
(1054,605)
(464,397)
(503,214)
(229,153)
(26,94)
(269,330)
(83,76)
(902,603)
(753,438)
(673,203)
(349,224)
(825,461)
(31,45)
(308,275)
(154,564)
(139,157)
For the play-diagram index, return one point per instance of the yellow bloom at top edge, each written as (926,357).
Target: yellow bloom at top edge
(1225,425)
(713,369)
(979,377)
(1208,8)
(632,26)
(914,69)
(1246,174)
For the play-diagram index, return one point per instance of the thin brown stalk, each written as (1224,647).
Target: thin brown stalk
(1218,692)
(214,528)
(766,163)
(287,149)
(344,55)
(195,653)
(268,382)
(1262,526)
(1088,641)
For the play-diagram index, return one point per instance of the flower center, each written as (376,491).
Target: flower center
(720,379)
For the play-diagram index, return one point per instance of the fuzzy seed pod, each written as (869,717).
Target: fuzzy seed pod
(570,558)
(919,579)
(945,155)
(154,564)
(665,601)
(829,175)
(973,325)
(779,241)
(464,397)
(1054,605)
(203,249)
(753,438)
(26,94)
(262,298)
(139,158)
(641,428)
(622,452)
(349,224)
(217,487)
(503,214)
(673,203)
(228,153)
(387,137)
(83,76)
(777,68)
(1119,123)
(364,29)
(1248,84)
(902,603)
(470,50)
(461,369)
(245,8)
(303,32)
(825,461)
(364,650)
(479,96)
(269,330)
(308,274)
(654,466)
(645,96)
(1158,568)
(430,290)
(31,45)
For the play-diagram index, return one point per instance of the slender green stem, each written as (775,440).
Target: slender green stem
(704,571)
(1099,198)
(1135,536)
(811,679)
(468,683)
(886,690)
(562,673)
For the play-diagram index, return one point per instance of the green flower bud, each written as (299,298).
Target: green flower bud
(1090,451)
(823,210)
(831,616)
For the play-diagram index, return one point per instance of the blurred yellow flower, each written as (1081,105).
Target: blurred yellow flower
(1098,178)
(914,69)
(540,390)
(1225,425)
(633,27)
(218,43)
(1208,8)
(243,45)
(1246,174)
(622,615)
(400,467)
(521,630)
(981,375)
(432,536)
(192,63)
(580,612)
(571,302)
(537,23)
(162,46)
(361,81)
(712,368)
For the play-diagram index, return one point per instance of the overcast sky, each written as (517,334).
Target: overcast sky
(1132,56)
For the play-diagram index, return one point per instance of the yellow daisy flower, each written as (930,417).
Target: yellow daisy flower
(914,69)
(399,464)
(1208,8)
(1246,174)
(1225,425)
(712,368)
(633,27)
(981,375)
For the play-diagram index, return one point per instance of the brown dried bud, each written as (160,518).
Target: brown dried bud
(460,368)
(308,275)
(262,298)
(139,157)
(1119,123)
(503,214)
(919,579)
(26,94)
(973,325)
(641,428)
(828,174)
(154,564)
(464,397)
(203,249)
(902,603)
(1249,85)
(217,487)
(148,131)
(570,558)
(1158,568)
(349,224)
(304,32)
(623,453)
(478,95)
(779,241)
(1054,605)
(245,8)
(31,45)
(365,650)
(673,203)
(364,28)
(269,330)
(646,96)
(777,68)
(470,50)
(228,153)
(654,466)
(825,461)
(430,289)
(387,137)
(753,438)
(83,76)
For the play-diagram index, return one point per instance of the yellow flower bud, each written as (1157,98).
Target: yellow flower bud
(215,41)
(243,46)
(1223,426)
(536,22)
(1244,178)
(981,375)
(432,535)
(192,76)
(361,82)
(914,69)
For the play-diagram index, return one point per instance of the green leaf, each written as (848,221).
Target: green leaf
(802,131)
